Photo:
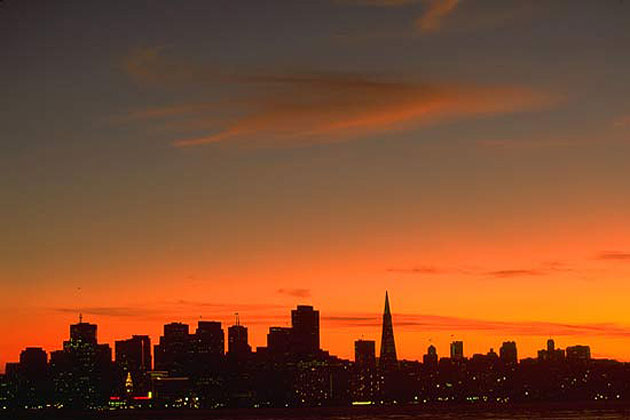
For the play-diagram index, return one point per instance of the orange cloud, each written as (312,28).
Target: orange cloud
(507,328)
(383,2)
(541,270)
(423,269)
(623,121)
(436,11)
(614,256)
(311,108)
(301,293)
(328,108)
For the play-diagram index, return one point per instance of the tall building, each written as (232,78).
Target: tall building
(33,362)
(364,382)
(457,350)
(237,340)
(431,358)
(508,353)
(278,341)
(209,339)
(83,331)
(578,354)
(304,330)
(134,354)
(388,359)
(33,385)
(133,360)
(551,354)
(365,353)
(172,353)
(82,372)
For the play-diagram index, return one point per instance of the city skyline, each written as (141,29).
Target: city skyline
(236,340)
(165,162)
(193,370)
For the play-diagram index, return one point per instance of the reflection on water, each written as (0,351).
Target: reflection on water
(387,414)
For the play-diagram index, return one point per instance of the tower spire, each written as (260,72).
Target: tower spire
(388,359)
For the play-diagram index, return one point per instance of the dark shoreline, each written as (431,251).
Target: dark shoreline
(404,411)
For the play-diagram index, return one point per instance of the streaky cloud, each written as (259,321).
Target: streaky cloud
(436,10)
(614,256)
(302,293)
(514,273)
(326,108)
(507,328)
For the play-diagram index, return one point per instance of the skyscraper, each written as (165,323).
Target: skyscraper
(388,359)
(82,371)
(133,360)
(278,340)
(172,351)
(430,359)
(209,339)
(33,386)
(508,353)
(305,330)
(83,332)
(457,350)
(578,354)
(365,353)
(237,340)
(134,354)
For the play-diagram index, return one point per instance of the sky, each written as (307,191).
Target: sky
(166,161)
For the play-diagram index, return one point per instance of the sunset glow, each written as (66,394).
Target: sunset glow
(169,163)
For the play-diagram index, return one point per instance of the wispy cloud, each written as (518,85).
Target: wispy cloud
(309,108)
(224,306)
(256,314)
(614,256)
(506,328)
(331,107)
(111,311)
(180,309)
(301,293)
(544,268)
(433,14)
(421,269)
(622,122)
(514,273)
(519,145)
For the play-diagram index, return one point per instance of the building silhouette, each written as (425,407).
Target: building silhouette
(193,371)
(133,362)
(578,354)
(82,373)
(304,331)
(238,345)
(508,353)
(83,332)
(365,353)
(430,359)
(172,353)
(209,341)
(31,375)
(457,350)
(388,359)
(279,341)
(551,354)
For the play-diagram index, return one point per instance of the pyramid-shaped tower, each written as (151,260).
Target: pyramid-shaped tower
(388,359)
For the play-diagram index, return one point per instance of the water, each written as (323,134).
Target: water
(369,413)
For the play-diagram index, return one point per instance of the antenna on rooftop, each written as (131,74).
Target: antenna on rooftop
(238,320)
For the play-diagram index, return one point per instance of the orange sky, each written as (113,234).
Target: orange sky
(164,164)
